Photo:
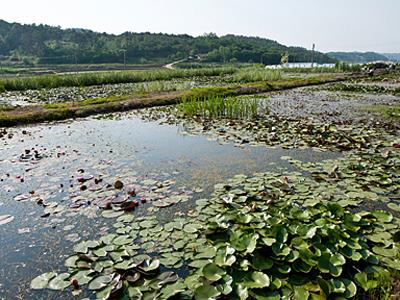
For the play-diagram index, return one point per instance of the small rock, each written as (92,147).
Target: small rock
(118,184)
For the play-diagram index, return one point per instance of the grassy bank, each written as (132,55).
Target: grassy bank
(40,113)
(99,78)
(389,111)
(358,88)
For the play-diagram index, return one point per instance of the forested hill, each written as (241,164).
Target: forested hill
(357,57)
(52,45)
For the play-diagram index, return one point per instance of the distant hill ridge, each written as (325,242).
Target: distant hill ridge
(392,56)
(52,45)
(358,57)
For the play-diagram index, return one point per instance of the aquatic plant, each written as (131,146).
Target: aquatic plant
(265,237)
(99,78)
(358,88)
(219,107)
(391,111)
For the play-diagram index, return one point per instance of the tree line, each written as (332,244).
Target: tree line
(43,44)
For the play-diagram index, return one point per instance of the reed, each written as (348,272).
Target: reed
(257,74)
(216,107)
(99,78)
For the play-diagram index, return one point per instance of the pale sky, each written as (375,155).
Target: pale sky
(333,25)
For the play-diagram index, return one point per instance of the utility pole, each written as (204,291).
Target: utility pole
(76,62)
(312,55)
(124,58)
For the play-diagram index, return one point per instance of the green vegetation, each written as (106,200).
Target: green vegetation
(99,78)
(357,57)
(257,74)
(390,111)
(41,44)
(270,236)
(359,88)
(219,107)
(345,67)
(40,113)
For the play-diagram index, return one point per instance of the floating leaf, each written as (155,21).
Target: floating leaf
(4,219)
(173,289)
(42,281)
(212,272)
(60,282)
(122,240)
(99,282)
(150,266)
(259,280)
(110,214)
(206,292)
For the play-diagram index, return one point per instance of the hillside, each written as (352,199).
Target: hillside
(357,57)
(42,44)
(392,56)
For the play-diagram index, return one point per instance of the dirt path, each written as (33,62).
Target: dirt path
(171,65)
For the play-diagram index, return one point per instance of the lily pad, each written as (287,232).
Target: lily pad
(42,281)
(60,282)
(4,219)
(99,282)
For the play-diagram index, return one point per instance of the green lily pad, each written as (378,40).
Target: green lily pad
(212,272)
(83,277)
(382,215)
(244,241)
(83,247)
(60,282)
(122,240)
(173,289)
(126,218)
(110,214)
(42,281)
(190,228)
(206,292)
(150,265)
(125,265)
(99,282)
(259,280)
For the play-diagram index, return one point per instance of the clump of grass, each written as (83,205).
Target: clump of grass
(345,67)
(385,283)
(6,107)
(161,86)
(99,78)
(357,88)
(390,111)
(215,107)
(257,74)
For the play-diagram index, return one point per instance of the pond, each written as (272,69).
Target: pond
(57,180)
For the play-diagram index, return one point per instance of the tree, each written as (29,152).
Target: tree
(285,58)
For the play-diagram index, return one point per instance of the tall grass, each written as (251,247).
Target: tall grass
(215,107)
(257,74)
(99,78)
(161,86)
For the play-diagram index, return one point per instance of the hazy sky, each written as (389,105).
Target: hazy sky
(347,25)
